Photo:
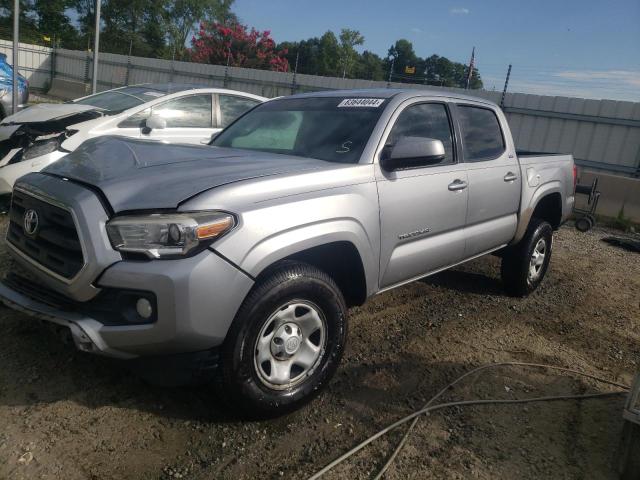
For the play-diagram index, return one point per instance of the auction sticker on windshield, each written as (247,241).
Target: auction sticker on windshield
(361,102)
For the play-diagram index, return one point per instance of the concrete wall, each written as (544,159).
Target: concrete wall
(617,192)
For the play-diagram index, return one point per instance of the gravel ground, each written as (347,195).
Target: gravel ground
(70,415)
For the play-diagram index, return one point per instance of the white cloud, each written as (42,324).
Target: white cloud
(572,84)
(621,77)
(416,30)
(459,11)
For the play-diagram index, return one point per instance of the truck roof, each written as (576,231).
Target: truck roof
(393,92)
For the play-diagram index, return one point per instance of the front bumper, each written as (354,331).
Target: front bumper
(197,299)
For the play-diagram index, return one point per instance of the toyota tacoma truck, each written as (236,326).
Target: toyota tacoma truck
(239,260)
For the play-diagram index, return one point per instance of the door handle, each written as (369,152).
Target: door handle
(510,177)
(457,184)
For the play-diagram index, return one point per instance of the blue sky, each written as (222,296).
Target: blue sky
(584,48)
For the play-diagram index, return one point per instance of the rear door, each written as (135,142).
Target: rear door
(422,210)
(493,176)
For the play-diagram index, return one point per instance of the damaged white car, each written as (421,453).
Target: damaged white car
(174,113)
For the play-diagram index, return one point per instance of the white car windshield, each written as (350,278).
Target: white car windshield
(122,98)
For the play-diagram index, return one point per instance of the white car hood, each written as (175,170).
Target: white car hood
(42,112)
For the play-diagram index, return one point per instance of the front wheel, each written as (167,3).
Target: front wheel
(524,265)
(285,342)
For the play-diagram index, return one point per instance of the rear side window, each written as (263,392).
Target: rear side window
(481,133)
(426,120)
(231,107)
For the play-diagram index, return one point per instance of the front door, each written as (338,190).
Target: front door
(189,120)
(422,210)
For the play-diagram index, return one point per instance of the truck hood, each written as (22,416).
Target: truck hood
(140,175)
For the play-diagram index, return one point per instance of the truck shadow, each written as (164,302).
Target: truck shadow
(462,280)
(37,368)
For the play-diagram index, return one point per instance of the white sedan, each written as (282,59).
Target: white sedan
(43,133)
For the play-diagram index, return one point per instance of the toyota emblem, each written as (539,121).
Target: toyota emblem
(30,222)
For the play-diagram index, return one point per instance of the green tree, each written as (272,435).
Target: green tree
(53,22)
(132,24)
(328,54)
(404,56)
(182,15)
(28,26)
(369,66)
(349,39)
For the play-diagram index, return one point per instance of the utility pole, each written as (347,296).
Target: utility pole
(506,83)
(96,45)
(471,66)
(16,43)
(393,62)
(295,73)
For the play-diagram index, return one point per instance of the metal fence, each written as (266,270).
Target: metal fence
(601,134)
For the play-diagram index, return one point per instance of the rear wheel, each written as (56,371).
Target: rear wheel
(285,343)
(524,265)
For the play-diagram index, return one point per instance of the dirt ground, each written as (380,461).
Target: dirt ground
(65,414)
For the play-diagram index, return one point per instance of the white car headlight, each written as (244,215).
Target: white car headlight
(40,148)
(3,92)
(168,235)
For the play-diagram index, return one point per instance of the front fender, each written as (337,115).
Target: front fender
(286,243)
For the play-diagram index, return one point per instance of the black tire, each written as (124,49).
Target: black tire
(629,452)
(242,386)
(583,224)
(516,261)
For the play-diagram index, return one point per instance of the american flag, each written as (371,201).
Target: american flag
(471,66)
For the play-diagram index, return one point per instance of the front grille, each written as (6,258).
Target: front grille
(55,244)
(30,287)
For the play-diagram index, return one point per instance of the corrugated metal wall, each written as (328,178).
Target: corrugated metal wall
(602,134)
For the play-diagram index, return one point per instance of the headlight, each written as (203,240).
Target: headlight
(3,92)
(168,235)
(40,147)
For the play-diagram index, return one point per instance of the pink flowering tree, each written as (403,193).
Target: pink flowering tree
(238,46)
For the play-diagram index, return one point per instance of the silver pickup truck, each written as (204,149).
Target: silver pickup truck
(240,259)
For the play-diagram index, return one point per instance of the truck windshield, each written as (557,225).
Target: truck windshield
(335,129)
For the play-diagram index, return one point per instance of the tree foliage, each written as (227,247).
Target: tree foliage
(237,46)
(329,57)
(349,39)
(161,28)
(182,15)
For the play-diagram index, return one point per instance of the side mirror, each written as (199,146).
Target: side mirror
(154,122)
(411,152)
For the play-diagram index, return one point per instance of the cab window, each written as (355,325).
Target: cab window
(481,133)
(426,120)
